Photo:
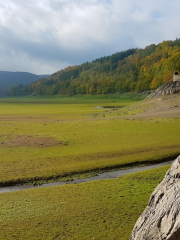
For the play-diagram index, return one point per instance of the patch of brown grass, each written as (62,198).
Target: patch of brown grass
(30,141)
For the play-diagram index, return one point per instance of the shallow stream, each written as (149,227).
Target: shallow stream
(101,176)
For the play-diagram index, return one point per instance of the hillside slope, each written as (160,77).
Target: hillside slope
(16,78)
(131,70)
(167,106)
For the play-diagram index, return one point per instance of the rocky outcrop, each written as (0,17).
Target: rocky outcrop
(161,218)
(166,89)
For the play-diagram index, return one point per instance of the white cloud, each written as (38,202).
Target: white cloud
(43,35)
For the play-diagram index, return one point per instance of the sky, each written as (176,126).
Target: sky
(45,36)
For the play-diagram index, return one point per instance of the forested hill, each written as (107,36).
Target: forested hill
(16,78)
(131,70)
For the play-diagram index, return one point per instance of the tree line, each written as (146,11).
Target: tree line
(132,70)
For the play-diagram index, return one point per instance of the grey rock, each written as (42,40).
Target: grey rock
(166,89)
(161,219)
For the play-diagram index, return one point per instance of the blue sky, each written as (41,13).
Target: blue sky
(44,36)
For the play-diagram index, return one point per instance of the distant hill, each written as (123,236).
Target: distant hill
(127,71)
(8,79)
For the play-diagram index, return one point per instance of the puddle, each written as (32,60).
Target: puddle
(114,107)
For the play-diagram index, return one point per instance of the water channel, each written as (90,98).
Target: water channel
(101,176)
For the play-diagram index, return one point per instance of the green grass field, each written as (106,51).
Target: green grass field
(45,138)
(51,137)
(106,209)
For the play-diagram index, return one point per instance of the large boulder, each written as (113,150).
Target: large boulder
(161,219)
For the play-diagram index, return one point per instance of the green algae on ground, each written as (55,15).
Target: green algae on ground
(77,142)
(106,209)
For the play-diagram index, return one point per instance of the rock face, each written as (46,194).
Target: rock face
(161,219)
(166,89)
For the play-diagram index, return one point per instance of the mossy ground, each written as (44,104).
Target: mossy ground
(106,209)
(70,136)
(68,139)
